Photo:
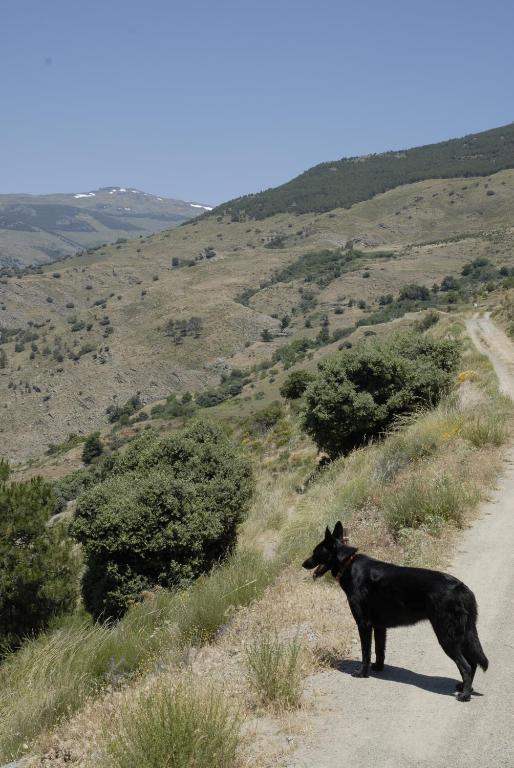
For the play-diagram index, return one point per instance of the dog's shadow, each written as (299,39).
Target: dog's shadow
(443,686)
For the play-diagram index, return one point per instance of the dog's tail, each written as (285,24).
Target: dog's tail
(475,647)
(472,640)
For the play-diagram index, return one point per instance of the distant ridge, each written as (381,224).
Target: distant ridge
(341,183)
(36,229)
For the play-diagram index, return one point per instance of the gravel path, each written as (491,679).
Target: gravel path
(408,717)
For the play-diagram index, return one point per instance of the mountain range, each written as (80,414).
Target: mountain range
(36,229)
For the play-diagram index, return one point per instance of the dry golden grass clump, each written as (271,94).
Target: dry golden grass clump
(273,668)
(190,725)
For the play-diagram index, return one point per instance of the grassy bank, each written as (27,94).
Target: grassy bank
(403,498)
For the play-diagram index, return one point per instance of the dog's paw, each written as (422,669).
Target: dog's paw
(463,697)
(459,687)
(360,673)
(376,667)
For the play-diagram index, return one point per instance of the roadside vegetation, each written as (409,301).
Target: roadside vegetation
(245,624)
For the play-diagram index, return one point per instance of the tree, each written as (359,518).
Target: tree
(358,393)
(38,572)
(168,512)
(296,384)
(5,471)
(414,292)
(93,447)
(266,335)
(3,359)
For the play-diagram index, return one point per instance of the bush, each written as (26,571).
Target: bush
(93,448)
(119,412)
(167,513)
(273,671)
(5,470)
(359,392)
(414,292)
(191,726)
(429,319)
(265,419)
(296,384)
(37,569)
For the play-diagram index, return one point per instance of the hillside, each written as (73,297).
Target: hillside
(169,313)
(427,476)
(35,229)
(342,183)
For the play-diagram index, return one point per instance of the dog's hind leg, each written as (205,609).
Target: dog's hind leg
(460,686)
(380,646)
(468,655)
(467,673)
(453,648)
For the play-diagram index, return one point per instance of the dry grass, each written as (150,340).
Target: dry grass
(274,671)
(190,725)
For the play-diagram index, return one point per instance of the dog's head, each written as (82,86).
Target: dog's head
(330,553)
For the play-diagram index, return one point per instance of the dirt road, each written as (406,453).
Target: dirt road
(407,717)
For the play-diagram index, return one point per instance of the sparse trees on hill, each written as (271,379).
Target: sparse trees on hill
(179,329)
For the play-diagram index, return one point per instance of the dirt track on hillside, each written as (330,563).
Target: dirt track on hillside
(408,717)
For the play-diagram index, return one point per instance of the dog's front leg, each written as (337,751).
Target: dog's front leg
(365,631)
(380,645)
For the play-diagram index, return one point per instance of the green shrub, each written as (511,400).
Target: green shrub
(296,384)
(93,447)
(5,470)
(273,670)
(118,412)
(265,419)
(429,319)
(358,393)
(37,568)
(167,513)
(191,726)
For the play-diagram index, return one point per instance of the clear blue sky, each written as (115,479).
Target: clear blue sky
(210,99)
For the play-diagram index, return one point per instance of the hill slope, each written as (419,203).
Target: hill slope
(90,332)
(35,229)
(342,183)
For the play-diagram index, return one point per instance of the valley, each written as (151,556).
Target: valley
(98,321)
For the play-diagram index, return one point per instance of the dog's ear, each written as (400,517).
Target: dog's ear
(338,531)
(328,536)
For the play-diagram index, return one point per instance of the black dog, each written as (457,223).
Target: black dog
(383,595)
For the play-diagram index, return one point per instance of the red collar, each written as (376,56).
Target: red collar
(345,565)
